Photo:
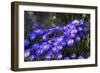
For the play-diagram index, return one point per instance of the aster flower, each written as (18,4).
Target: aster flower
(81,21)
(75,22)
(71,26)
(33,57)
(27,53)
(55,43)
(39,31)
(59,39)
(32,36)
(77,39)
(70,30)
(63,43)
(66,32)
(59,47)
(73,55)
(70,42)
(86,28)
(59,56)
(45,37)
(73,33)
(54,49)
(59,28)
(45,47)
(50,41)
(35,46)
(26,42)
(39,52)
(80,29)
(48,56)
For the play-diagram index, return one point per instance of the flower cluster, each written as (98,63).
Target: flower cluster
(52,41)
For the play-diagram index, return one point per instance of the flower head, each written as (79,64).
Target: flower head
(73,33)
(59,39)
(32,36)
(75,22)
(48,56)
(77,39)
(46,47)
(39,31)
(35,46)
(73,55)
(54,49)
(27,53)
(26,42)
(39,52)
(70,42)
(59,56)
(81,21)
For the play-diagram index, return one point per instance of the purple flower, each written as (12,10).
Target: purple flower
(59,39)
(77,39)
(32,36)
(48,56)
(26,42)
(73,33)
(46,47)
(66,33)
(50,41)
(70,30)
(39,31)
(45,37)
(54,49)
(39,52)
(59,56)
(63,43)
(85,29)
(80,29)
(59,28)
(70,42)
(59,47)
(75,22)
(71,27)
(73,55)
(35,46)
(81,21)
(27,53)
(51,29)
(33,57)
(55,43)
